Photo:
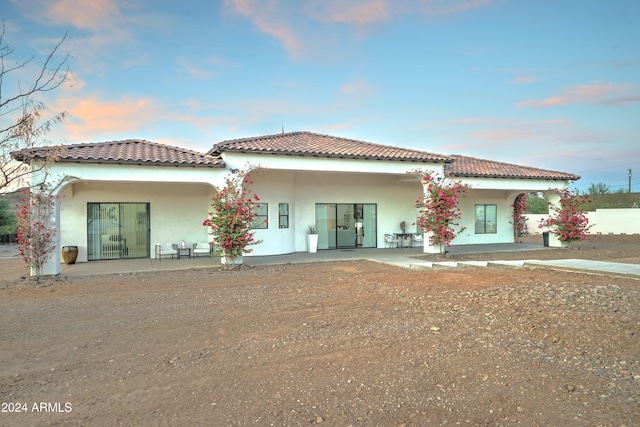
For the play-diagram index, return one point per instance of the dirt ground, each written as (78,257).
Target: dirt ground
(341,343)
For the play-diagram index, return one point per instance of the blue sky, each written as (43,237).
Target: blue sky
(546,83)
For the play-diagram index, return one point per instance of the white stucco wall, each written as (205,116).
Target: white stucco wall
(176,210)
(179,197)
(605,221)
(394,196)
(504,230)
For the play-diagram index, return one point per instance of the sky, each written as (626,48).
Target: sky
(544,83)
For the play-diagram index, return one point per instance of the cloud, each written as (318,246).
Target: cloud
(524,80)
(268,17)
(449,7)
(486,133)
(603,94)
(92,116)
(91,15)
(360,12)
(194,71)
(85,14)
(508,121)
(358,88)
(294,23)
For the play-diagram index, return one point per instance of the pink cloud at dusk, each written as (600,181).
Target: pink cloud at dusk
(452,7)
(92,15)
(284,20)
(92,116)
(510,122)
(603,94)
(354,12)
(497,132)
(85,14)
(268,17)
(357,88)
(524,80)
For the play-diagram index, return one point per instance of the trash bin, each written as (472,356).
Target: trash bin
(545,238)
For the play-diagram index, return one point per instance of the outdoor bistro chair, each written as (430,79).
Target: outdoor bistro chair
(166,250)
(201,248)
(390,241)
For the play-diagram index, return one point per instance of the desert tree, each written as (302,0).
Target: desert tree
(599,188)
(24,118)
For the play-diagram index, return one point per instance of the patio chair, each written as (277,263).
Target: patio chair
(391,241)
(166,250)
(202,249)
(418,240)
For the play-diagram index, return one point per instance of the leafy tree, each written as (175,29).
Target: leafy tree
(537,203)
(599,188)
(8,219)
(24,118)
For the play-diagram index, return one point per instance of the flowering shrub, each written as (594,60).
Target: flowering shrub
(568,220)
(231,218)
(519,219)
(36,230)
(439,209)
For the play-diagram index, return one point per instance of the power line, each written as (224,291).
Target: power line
(611,167)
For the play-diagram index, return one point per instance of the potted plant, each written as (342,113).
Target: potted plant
(312,239)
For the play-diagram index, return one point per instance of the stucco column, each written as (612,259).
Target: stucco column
(52,266)
(428,248)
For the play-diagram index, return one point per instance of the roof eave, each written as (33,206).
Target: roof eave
(127,162)
(495,176)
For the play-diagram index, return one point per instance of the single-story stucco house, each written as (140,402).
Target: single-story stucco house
(144,193)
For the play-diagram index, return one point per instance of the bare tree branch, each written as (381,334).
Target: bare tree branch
(23,117)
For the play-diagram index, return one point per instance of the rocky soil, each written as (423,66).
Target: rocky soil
(343,343)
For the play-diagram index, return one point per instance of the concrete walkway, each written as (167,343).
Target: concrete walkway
(406,258)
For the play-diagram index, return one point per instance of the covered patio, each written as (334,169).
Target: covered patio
(132,266)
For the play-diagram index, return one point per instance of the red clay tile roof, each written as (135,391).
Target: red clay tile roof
(319,145)
(135,151)
(463,166)
(127,151)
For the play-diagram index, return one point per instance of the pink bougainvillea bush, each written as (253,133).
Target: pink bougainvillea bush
(231,218)
(519,218)
(438,208)
(568,220)
(36,230)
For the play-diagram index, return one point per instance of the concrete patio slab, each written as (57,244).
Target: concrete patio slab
(590,266)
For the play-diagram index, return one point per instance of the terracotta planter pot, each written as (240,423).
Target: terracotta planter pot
(69,254)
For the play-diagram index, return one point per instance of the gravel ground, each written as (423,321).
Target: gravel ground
(342,343)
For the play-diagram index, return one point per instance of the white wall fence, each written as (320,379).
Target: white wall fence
(605,221)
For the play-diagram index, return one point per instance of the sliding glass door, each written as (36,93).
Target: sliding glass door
(346,225)
(117,230)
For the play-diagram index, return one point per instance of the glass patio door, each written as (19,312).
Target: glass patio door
(117,231)
(346,225)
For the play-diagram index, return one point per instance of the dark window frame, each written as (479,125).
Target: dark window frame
(484,225)
(260,220)
(283,218)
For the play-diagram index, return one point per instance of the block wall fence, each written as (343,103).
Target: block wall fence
(606,221)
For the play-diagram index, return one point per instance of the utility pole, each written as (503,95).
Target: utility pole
(630,180)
